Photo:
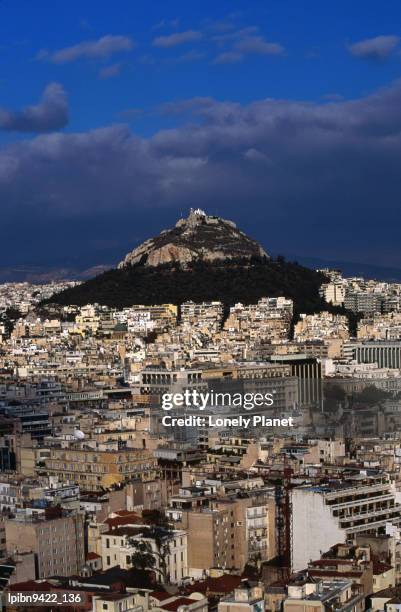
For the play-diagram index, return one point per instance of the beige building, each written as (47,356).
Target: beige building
(325,451)
(118,546)
(230,533)
(57,543)
(94,470)
(246,598)
(115,602)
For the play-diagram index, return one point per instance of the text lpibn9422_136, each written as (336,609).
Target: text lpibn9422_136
(23,599)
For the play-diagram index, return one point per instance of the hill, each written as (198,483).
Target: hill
(229,281)
(202,258)
(199,237)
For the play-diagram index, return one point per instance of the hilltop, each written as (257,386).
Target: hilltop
(199,237)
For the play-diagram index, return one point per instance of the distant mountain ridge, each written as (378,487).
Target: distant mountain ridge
(46,274)
(351,268)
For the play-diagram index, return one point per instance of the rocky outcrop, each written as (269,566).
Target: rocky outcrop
(198,237)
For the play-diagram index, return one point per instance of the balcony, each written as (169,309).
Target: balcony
(373,513)
(362,490)
(362,502)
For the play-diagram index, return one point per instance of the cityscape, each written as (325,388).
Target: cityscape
(287,500)
(200,306)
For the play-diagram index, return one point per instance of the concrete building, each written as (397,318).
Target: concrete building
(325,515)
(230,532)
(115,602)
(246,598)
(385,354)
(361,301)
(119,545)
(311,596)
(94,469)
(333,293)
(56,540)
(308,372)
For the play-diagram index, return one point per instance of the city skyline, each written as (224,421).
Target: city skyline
(200,306)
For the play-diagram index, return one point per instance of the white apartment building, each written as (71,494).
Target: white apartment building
(325,515)
(334,293)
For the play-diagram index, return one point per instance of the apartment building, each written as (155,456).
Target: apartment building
(207,315)
(363,301)
(320,326)
(142,319)
(115,602)
(333,293)
(94,470)
(229,532)
(325,515)
(320,596)
(248,597)
(324,451)
(55,538)
(211,539)
(167,547)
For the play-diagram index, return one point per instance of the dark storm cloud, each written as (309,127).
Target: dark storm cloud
(378,48)
(51,113)
(276,157)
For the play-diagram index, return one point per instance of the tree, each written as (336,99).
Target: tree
(334,396)
(371,395)
(148,557)
(156,518)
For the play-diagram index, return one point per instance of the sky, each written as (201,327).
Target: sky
(117,117)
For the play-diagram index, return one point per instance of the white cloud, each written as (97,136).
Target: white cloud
(228,57)
(258,45)
(108,72)
(89,49)
(178,38)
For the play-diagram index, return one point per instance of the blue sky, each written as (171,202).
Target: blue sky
(115,117)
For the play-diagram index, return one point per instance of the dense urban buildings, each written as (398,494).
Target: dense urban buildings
(297,508)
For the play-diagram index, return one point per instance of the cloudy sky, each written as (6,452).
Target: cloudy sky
(115,118)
